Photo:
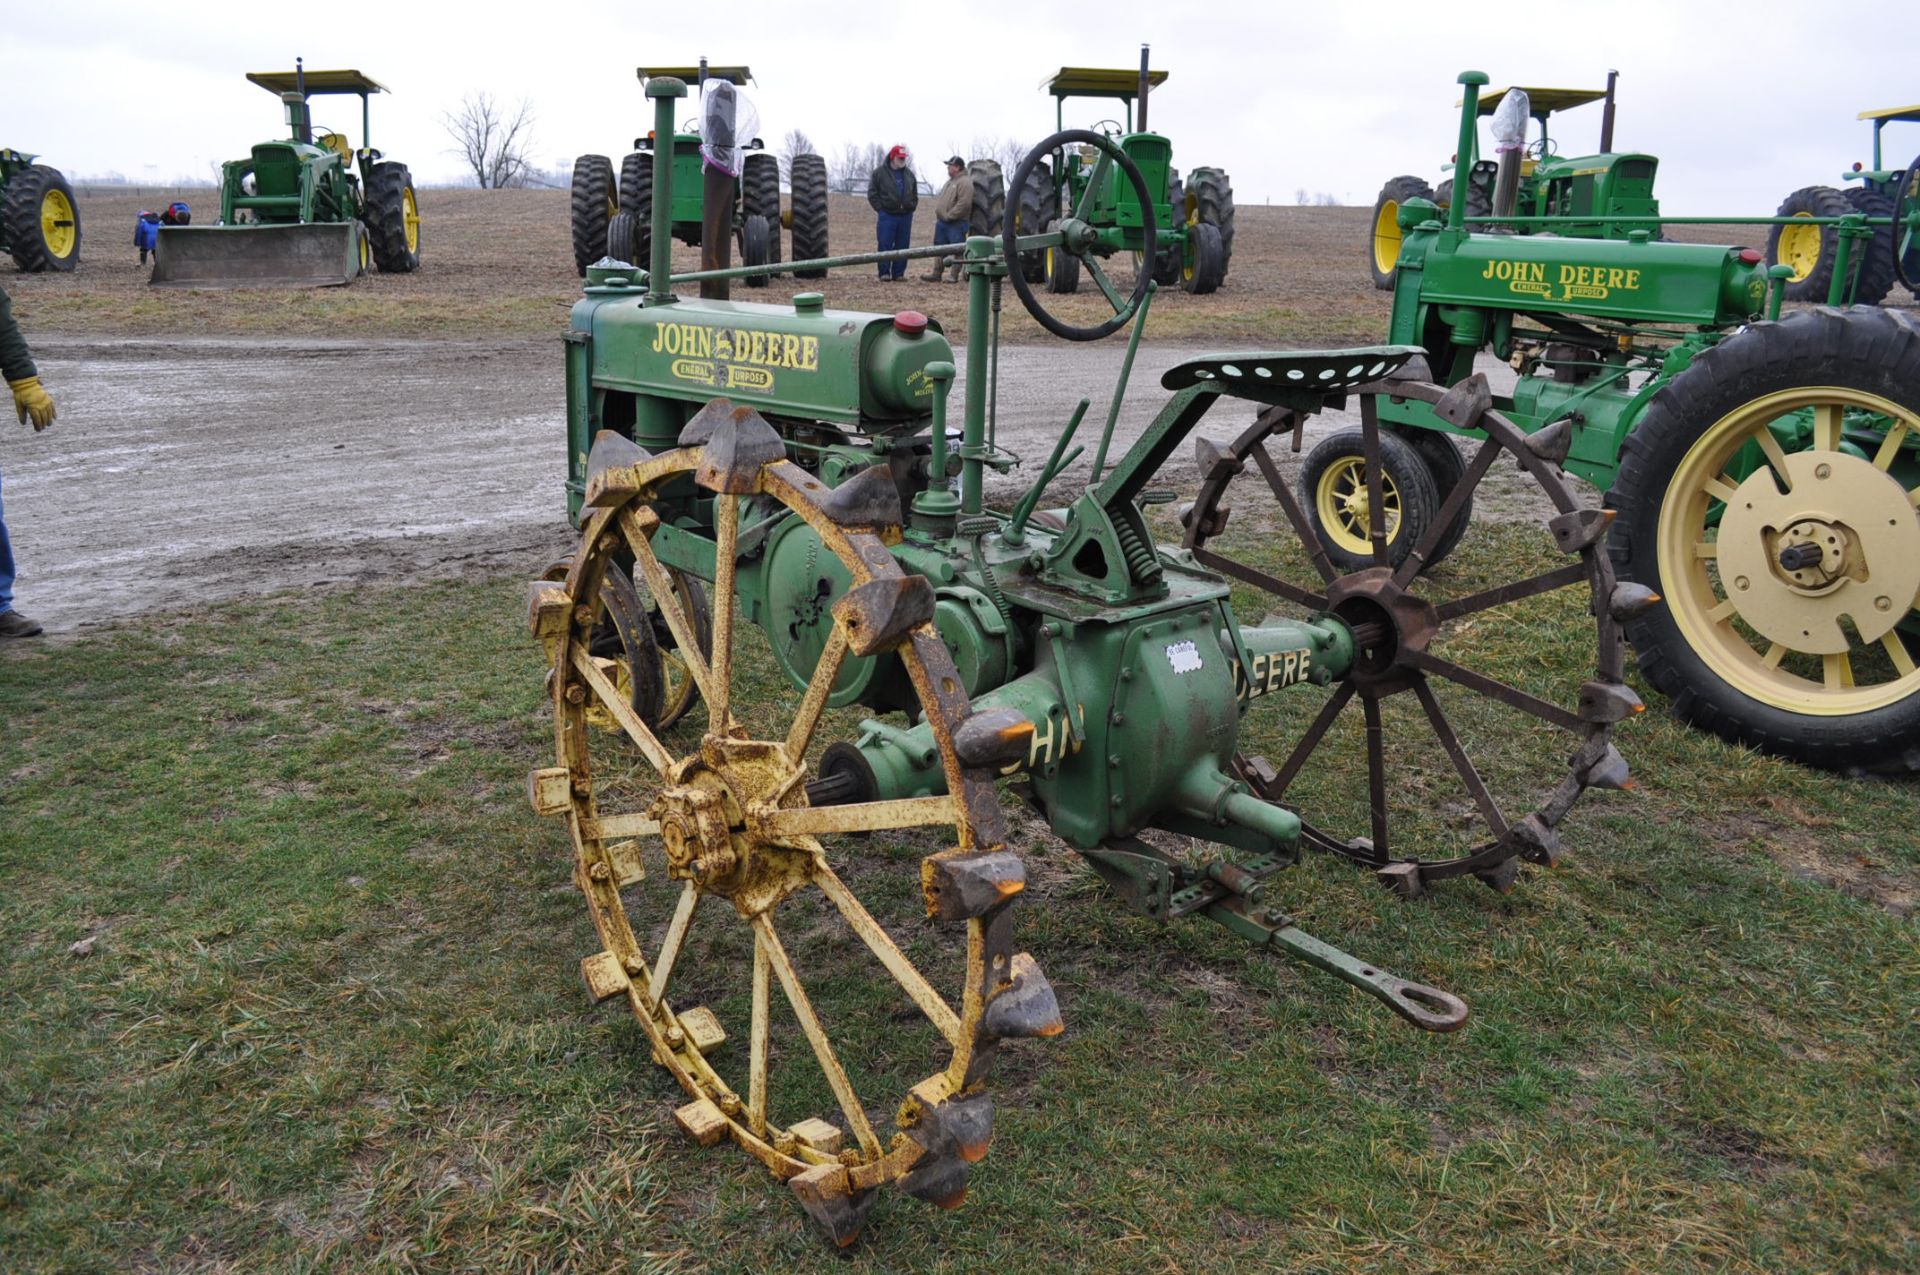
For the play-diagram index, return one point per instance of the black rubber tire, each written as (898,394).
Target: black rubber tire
(1166,257)
(592,206)
(1204,262)
(389,187)
(1396,192)
(1863,348)
(1211,194)
(1876,272)
(1447,468)
(1814,201)
(989,198)
(1062,270)
(1479,202)
(1401,465)
(636,199)
(623,232)
(1906,200)
(26,239)
(760,187)
(625,633)
(809,180)
(757,237)
(1031,217)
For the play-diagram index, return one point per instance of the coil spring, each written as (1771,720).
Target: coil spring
(1143,564)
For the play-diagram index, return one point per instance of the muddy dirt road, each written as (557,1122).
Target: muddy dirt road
(185,472)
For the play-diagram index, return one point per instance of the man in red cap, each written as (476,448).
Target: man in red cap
(894,193)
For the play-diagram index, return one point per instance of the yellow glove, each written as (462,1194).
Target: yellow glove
(30,400)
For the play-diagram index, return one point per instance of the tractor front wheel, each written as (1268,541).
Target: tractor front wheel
(1448,471)
(593,205)
(1809,250)
(1208,200)
(1063,271)
(1768,495)
(393,219)
(758,247)
(42,221)
(1383,245)
(1338,492)
(636,201)
(1204,264)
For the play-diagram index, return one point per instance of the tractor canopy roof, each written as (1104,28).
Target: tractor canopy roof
(1541,102)
(1892,113)
(318,82)
(734,75)
(1094,81)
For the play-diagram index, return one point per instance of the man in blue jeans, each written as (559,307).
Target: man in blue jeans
(952,210)
(30,402)
(894,194)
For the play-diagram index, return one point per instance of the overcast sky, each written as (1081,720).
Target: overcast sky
(1741,102)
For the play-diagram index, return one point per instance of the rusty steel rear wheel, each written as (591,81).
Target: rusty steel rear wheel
(1410,636)
(712,867)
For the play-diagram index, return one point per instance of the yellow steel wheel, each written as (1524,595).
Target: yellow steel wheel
(366,249)
(1386,236)
(1800,248)
(57,224)
(412,207)
(1340,498)
(1808,563)
(711,859)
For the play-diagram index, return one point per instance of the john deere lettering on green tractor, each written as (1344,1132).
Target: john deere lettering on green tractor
(39,218)
(1764,471)
(788,467)
(1810,249)
(1582,190)
(305,210)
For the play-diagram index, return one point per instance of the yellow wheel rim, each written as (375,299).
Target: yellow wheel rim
(1340,498)
(366,253)
(57,224)
(1800,248)
(412,209)
(1772,633)
(1386,236)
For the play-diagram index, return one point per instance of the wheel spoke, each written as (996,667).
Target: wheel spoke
(1309,741)
(889,954)
(1106,285)
(1449,510)
(1546,582)
(727,511)
(1719,488)
(1458,755)
(664,596)
(1376,495)
(816,1035)
(1897,651)
(814,702)
(1827,419)
(1376,775)
(1295,514)
(618,828)
(1837,671)
(1261,580)
(1890,445)
(1512,696)
(1776,652)
(758,1030)
(671,945)
(1776,455)
(621,711)
(863,816)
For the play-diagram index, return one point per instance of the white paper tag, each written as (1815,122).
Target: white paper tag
(1184,657)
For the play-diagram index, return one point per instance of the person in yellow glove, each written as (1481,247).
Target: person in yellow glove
(31,402)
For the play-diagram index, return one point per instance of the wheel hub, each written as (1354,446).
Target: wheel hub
(1866,532)
(694,831)
(1390,627)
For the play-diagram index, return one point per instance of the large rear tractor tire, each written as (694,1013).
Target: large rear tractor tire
(393,219)
(595,200)
(1906,235)
(809,213)
(1810,250)
(1034,215)
(1766,496)
(989,198)
(1383,244)
(636,200)
(42,220)
(1876,272)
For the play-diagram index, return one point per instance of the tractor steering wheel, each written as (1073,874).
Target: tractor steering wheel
(1541,148)
(1077,238)
(1906,227)
(1108,128)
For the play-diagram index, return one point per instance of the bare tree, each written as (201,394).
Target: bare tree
(795,143)
(1004,151)
(493,140)
(1300,195)
(850,172)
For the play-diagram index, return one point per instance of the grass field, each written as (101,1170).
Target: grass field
(292,985)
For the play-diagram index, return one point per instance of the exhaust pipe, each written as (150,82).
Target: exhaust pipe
(1140,120)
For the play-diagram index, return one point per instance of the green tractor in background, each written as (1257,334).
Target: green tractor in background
(1811,251)
(614,216)
(1765,472)
(1194,218)
(1590,188)
(39,220)
(306,210)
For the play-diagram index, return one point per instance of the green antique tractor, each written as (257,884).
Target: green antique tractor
(1764,471)
(305,210)
(1810,249)
(39,218)
(795,653)
(1582,192)
(613,217)
(1194,217)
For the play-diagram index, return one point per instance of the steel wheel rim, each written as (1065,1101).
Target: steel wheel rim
(57,224)
(1386,236)
(411,209)
(1800,248)
(1704,609)
(1340,498)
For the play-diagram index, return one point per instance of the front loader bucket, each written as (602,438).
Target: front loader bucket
(316,255)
